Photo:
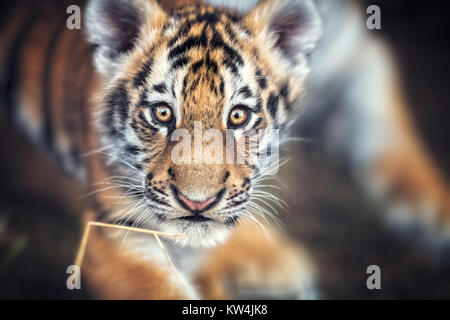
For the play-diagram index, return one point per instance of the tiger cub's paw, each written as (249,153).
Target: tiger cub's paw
(284,273)
(253,266)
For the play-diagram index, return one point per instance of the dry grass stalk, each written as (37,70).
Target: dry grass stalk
(156,234)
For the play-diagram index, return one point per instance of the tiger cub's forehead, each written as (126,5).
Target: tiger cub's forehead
(199,59)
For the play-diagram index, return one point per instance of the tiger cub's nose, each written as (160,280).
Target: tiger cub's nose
(196,206)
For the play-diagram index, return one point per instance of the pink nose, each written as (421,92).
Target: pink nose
(195,205)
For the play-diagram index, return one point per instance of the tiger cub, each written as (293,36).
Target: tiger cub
(106,103)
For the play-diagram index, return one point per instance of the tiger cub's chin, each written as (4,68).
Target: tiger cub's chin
(205,234)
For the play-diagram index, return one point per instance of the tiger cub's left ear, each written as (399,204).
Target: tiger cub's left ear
(114,26)
(294,27)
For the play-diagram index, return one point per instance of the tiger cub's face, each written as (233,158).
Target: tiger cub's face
(177,74)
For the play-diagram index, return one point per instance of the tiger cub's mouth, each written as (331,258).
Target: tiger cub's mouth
(196,218)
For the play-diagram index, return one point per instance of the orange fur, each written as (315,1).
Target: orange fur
(248,257)
(252,256)
(407,170)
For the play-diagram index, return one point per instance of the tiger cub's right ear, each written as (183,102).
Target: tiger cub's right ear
(113,27)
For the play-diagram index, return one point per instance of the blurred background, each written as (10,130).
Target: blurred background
(329,214)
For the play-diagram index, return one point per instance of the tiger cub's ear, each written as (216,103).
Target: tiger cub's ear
(292,26)
(113,27)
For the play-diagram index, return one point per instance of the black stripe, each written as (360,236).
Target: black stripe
(120,102)
(257,123)
(222,87)
(236,195)
(46,86)
(232,221)
(183,31)
(142,75)
(82,68)
(180,63)
(246,92)
(258,105)
(197,66)
(75,156)
(188,44)
(210,18)
(132,149)
(13,64)
(272,105)
(211,64)
(161,88)
(284,92)
(217,42)
(143,100)
(225,178)
(144,122)
(237,203)
(194,84)
(173,90)
(171,174)
(231,65)
(212,87)
(185,83)
(230,33)
(262,81)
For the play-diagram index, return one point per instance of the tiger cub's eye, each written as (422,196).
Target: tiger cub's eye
(162,113)
(239,116)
